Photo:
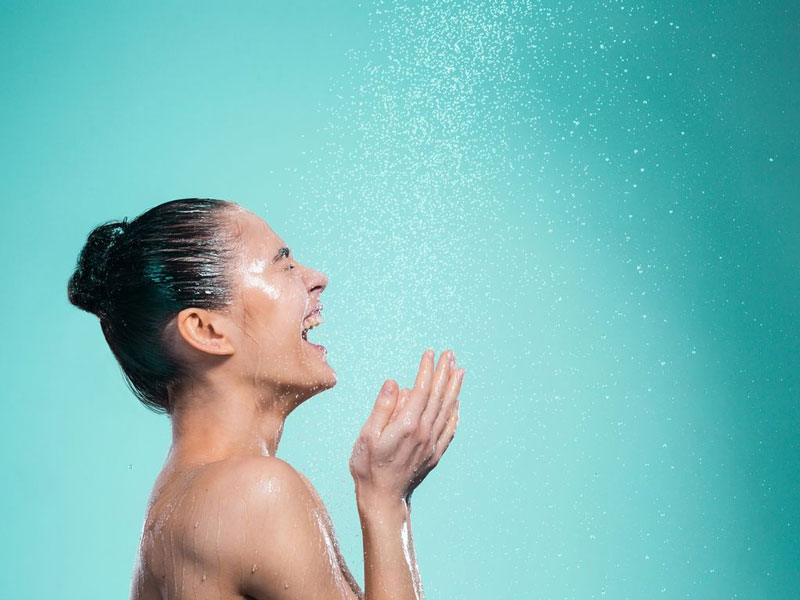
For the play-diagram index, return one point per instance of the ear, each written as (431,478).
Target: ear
(205,330)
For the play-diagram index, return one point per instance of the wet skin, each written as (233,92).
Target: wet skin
(226,517)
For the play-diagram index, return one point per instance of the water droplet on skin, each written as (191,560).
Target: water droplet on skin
(204,577)
(254,569)
(253,276)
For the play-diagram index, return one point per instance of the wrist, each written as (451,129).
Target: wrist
(376,505)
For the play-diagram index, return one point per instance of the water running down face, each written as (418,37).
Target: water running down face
(277,303)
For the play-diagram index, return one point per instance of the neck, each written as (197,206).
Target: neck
(212,421)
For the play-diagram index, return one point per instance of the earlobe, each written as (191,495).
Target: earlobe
(204,331)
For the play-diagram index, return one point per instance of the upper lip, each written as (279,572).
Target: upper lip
(315,310)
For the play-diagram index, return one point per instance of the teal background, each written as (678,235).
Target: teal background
(594,204)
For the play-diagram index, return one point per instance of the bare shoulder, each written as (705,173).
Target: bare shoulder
(248,492)
(213,520)
(277,538)
(256,474)
(223,487)
(255,483)
(251,526)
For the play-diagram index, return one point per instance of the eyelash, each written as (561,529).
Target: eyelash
(285,254)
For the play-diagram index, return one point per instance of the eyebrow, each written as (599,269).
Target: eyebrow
(281,253)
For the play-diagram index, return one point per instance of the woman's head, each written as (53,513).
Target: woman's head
(189,289)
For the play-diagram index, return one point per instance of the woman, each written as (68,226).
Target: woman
(207,312)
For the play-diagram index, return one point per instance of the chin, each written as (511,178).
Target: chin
(322,378)
(333,379)
(327,382)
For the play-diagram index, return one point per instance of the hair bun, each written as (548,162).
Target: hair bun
(87,288)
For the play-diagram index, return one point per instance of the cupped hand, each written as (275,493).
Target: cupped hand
(408,431)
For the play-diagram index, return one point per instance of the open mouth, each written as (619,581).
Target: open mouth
(313,319)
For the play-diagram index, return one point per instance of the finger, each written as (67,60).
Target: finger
(418,397)
(447,435)
(425,372)
(446,363)
(401,401)
(384,405)
(450,400)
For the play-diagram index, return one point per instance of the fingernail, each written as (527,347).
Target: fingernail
(429,352)
(387,388)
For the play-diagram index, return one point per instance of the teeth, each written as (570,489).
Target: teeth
(312,321)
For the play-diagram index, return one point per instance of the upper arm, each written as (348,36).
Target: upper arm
(285,551)
(351,581)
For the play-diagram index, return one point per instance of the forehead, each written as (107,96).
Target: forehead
(257,236)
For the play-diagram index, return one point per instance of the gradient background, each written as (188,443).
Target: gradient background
(594,204)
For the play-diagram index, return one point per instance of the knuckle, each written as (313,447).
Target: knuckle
(366,442)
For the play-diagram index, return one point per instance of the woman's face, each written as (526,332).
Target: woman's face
(275,294)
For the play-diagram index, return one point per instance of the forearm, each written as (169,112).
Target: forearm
(418,579)
(390,566)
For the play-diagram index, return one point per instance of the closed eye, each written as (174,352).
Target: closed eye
(282,253)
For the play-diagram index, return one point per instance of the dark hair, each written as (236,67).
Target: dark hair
(136,276)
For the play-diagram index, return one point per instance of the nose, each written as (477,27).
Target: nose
(317,281)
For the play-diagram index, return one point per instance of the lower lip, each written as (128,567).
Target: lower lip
(321,349)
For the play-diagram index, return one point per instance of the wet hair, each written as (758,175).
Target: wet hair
(135,276)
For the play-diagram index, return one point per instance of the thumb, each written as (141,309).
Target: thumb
(384,405)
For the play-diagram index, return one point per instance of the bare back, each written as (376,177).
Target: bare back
(221,531)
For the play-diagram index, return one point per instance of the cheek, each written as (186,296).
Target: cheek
(274,317)
(259,284)
(275,304)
